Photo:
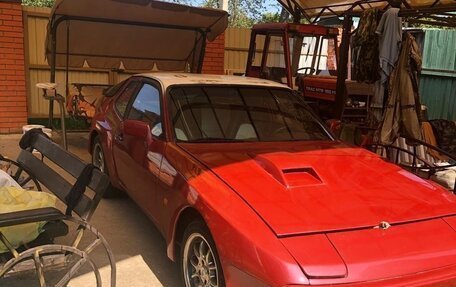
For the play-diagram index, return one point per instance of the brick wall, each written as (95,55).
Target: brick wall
(13,100)
(332,51)
(214,60)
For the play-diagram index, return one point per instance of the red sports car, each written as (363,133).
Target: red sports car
(250,189)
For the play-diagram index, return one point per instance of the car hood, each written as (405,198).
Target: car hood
(315,187)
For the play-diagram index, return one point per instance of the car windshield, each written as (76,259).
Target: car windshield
(238,114)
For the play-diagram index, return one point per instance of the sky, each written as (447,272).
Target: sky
(271,5)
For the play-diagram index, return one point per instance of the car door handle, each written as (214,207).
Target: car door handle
(119,137)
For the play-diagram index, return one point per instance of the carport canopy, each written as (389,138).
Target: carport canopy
(135,34)
(437,10)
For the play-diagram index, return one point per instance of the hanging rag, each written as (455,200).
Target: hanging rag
(389,31)
(365,48)
(446,177)
(7,180)
(429,137)
(79,188)
(402,113)
(26,140)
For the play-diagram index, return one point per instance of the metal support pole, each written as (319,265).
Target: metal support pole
(251,55)
(203,52)
(53,73)
(297,17)
(264,58)
(286,48)
(342,68)
(318,42)
(62,103)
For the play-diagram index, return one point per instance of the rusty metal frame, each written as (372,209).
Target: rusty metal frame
(294,7)
(66,251)
(419,166)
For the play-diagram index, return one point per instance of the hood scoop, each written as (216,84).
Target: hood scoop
(290,176)
(298,177)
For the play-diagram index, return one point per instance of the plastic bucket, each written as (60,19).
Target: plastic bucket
(47,131)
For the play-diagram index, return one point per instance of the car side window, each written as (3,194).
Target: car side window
(146,108)
(124,98)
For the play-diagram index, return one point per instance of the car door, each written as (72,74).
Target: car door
(138,158)
(115,117)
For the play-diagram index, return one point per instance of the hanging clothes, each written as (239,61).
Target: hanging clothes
(365,48)
(403,107)
(389,31)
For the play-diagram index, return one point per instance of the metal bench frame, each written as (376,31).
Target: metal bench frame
(20,174)
(418,166)
(81,214)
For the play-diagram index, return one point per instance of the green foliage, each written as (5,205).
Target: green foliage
(270,17)
(429,26)
(243,13)
(38,3)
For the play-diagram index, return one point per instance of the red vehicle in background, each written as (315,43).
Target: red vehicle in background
(249,188)
(290,53)
(304,57)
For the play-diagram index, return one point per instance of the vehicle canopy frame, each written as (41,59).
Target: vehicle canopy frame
(152,35)
(286,32)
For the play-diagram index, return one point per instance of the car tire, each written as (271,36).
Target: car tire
(199,260)
(99,161)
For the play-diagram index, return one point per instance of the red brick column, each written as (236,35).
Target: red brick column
(214,60)
(13,99)
(332,51)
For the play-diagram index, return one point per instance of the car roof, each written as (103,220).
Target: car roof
(169,79)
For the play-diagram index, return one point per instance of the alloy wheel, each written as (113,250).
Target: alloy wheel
(98,157)
(199,263)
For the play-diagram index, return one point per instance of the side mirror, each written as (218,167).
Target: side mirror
(136,128)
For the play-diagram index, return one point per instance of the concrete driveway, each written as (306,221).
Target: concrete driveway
(138,246)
